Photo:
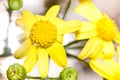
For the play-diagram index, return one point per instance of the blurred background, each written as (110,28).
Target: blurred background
(11,39)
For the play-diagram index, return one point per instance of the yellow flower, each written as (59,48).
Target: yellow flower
(107,68)
(101,32)
(44,36)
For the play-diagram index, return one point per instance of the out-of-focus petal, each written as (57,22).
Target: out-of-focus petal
(88,10)
(118,52)
(60,38)
(117,36)
(87,30)
(102,69)
(69,26)
(108,49)
(92,48)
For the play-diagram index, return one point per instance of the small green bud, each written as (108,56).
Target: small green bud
(15,4)
(68,73)
(16,72)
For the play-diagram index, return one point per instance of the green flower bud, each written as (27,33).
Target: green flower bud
(16,72)
(15,4)
(68,73)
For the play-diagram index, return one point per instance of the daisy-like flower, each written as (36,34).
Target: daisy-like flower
(107,68)
(101,32)
(44,36)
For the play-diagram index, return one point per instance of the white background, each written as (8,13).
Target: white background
(110,7)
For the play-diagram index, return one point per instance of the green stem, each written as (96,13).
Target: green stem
(86,63)
(10,14)
(40,78)
(69,2)
(69,44)
(76,47)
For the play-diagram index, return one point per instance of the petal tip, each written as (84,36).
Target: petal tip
(17,56)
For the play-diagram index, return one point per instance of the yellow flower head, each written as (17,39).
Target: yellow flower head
(44,36)
(107,68)
(101,31)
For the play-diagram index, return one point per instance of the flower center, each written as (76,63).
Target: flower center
(106,28)
(43,34)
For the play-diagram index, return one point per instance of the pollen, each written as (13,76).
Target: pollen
(106,29)
(43,34)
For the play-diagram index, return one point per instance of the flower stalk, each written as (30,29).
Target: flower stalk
(67,8)
(40,78)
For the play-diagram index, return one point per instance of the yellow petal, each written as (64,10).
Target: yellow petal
(96,53)
(117,37)
(57,53)
(23,49)
(31,59)
(53,11)
(92,48)
(43,62)
(69,26)
(26,20)
(57,21)
(102,69)
(113,65)
(108,50)
(87,30)
(60,38)
(39,17)
(88,10)
(118,52)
